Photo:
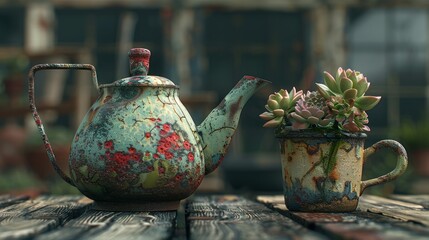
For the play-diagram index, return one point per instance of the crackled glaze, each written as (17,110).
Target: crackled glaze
(135,142)
(138,143)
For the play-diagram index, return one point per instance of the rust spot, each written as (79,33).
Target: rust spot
(91,116)
(318,180)
(312,149)
(107,98)
(289,159)
(334,175)
(234,108)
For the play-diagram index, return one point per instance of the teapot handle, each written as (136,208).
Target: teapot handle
(38,120)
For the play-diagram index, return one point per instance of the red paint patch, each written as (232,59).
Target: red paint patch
(186,145)
(161,149)
(108,145)
(147,135)
(179,177)
(190,157)
(166,127)
(131,150)
(168,155)
(120,158)
(249,77)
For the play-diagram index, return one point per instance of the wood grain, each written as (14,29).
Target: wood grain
(7,200)
(33,217)
(232,217)
(422,200)
(95,224)
(405,211)
(212,217)
(360,224)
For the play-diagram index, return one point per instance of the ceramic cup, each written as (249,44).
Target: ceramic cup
(322,172)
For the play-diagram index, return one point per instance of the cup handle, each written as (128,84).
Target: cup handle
(401,162)
(38,120)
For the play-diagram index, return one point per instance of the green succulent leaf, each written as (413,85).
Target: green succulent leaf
(272,104)
(350,94)
(278,97)
(285,104)
(267,116)
(268,108)
(367,102)
(283,93)
(330,82)
(324,122)
(274,122)
(313,120)
(345,84)
(362,86)
(340,73)
(298,118)
(279,112)
(353,76)
(305,113)
(323,90)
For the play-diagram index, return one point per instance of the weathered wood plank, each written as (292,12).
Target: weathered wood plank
(116,225)
(7,200)
(404,211)
(422,200)
(20,228)
(232,217)
(32,217)
(355,225)
(57,208)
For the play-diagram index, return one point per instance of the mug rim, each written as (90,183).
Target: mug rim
(317,133)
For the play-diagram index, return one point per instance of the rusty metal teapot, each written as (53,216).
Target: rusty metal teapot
(137,148)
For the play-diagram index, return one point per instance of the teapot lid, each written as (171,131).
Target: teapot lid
(139,68)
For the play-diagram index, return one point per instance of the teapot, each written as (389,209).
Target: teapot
(137,148)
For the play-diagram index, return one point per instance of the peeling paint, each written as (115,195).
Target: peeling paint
(322,172)
(138,143)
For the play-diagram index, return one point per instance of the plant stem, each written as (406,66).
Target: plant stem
(331,160)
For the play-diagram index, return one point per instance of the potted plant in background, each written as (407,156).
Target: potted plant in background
(322,137)
(414,134)
(37,160)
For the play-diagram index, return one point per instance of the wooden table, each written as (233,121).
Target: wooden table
(213,217)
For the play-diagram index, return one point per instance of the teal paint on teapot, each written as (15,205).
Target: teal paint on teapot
(138,143)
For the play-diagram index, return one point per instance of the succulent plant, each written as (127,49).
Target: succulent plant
(340,104)
(348,117)
(351,86)
(311,109)
(279,105)
(355,122)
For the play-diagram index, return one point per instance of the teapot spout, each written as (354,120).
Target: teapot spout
(217,129)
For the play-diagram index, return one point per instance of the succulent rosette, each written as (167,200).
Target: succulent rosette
(279,105)
(311,109)
(339,104)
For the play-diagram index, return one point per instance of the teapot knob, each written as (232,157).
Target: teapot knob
(139,61)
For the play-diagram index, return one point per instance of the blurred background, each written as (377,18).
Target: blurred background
(206,46)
